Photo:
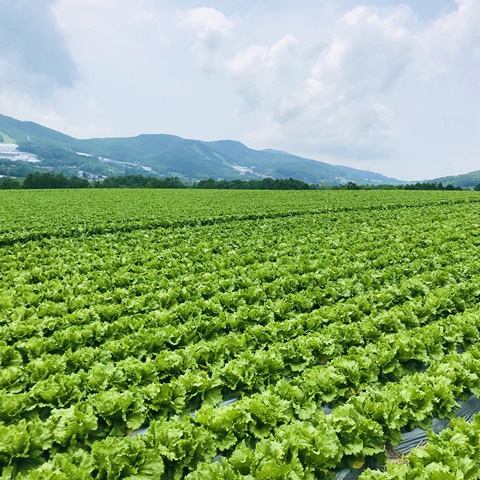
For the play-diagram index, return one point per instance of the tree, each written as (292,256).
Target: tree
(9,183)
(45,180)
(210,183)
(77,182)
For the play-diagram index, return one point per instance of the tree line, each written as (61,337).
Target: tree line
(264,184)
(43,180)
(48,180)
(408,186)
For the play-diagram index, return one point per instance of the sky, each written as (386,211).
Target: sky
(383,85)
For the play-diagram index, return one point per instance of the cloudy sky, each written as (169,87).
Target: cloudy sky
(385,86)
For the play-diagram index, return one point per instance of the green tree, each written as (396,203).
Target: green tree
(45,180)
(210,183)
(9,183)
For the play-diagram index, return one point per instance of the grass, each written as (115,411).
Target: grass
(6,138)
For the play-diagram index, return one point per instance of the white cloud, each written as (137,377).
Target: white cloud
(343,102)
(207,21)
(261,55)
(211,28)
(389,88)
(333,101)
(449,37)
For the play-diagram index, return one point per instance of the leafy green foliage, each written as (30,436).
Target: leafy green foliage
(452,454)
(285,340)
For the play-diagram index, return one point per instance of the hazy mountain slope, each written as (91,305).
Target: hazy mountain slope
(281,164)
(466,180)
(24,132)
(167,155)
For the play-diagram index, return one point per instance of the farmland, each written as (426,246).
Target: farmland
(226,334)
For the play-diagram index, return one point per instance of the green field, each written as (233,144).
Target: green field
(248,334)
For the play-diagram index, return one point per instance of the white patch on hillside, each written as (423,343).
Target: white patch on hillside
(9,151)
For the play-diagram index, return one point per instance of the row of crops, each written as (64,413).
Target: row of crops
(210,335)
(30,215)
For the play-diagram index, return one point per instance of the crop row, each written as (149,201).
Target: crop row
(252,327)
(126,276)
(453,454)
(358,429)
(230,365)
(113,410)
(281,441)
(101,335)
(33,215)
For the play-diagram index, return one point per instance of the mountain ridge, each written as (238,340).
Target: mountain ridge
(165,155)
(463,180)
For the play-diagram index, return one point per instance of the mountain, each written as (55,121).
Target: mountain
(465,180)
(28,147)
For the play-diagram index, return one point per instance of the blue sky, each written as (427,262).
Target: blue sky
(382,85)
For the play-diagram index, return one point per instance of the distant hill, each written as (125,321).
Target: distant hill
(466,180)
(160,155)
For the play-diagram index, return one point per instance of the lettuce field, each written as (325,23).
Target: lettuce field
(155,334)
